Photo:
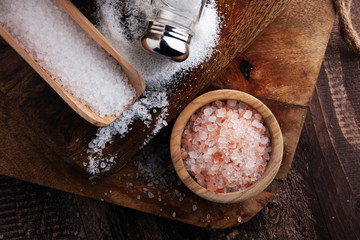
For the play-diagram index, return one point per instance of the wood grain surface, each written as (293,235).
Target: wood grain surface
(311,203)
(273,164)
(65,138)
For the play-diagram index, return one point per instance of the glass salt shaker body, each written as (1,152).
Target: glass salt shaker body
(170,27)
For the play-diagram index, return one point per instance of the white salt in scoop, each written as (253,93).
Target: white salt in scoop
(96,86)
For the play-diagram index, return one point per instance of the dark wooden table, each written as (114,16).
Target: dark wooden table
(320,198)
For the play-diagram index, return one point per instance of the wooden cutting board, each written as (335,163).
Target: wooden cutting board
(39,132)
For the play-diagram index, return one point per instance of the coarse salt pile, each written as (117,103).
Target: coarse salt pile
(68,54)
(225,146)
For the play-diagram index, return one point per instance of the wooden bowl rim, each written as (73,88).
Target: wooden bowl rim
(275,155)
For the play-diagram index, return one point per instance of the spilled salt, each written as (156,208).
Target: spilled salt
(68,54)
(151,195)
(123,24)
(232,153)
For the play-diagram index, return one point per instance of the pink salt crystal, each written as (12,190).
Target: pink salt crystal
(256,124)
(193,154)
(229,146)
(197,128)
(220,113)
(229,114)
(203,136)
(197,121)
(257,116)
(231,103)
(219,103)
(212,127)
(193,117)
(247,114)
(242,105)
(208,111)
(184,155)
(212,119)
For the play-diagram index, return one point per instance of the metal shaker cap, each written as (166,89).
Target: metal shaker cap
(167,40)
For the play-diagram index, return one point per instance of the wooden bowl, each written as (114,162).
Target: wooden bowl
(275,155)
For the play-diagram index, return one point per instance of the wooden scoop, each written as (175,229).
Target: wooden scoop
(84,111)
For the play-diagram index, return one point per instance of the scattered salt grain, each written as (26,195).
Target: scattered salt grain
(150,195)
(68,54)
(138,197)
(194,208)
(231,155)
(239,219)
(173,214)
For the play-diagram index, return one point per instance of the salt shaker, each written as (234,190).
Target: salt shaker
(170,27)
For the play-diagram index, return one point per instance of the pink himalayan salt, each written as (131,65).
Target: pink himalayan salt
(225,146)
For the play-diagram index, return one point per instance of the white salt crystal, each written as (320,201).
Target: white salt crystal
(102,165)
(239,219)
(173,214)
(184,4)
(194,207)
(150,195)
